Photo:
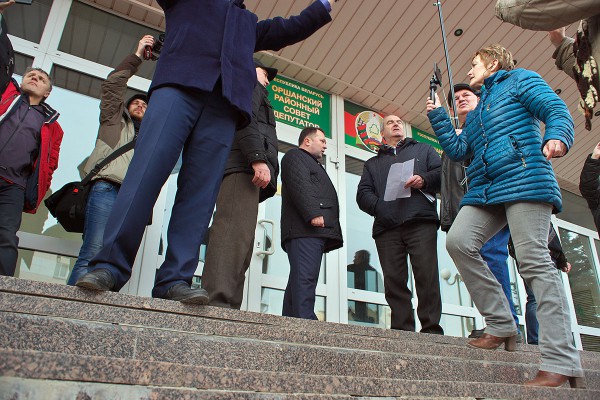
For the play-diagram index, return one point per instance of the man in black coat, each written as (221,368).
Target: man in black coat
(589,186)
(398,188)
(310,225)
(250,177)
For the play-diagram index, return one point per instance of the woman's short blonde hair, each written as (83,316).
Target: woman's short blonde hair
(496,52)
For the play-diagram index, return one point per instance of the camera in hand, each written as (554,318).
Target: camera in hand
(153,52)
(436,79)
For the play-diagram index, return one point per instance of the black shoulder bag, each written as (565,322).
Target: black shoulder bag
(68,204)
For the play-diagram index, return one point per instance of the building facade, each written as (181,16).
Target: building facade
(79,44)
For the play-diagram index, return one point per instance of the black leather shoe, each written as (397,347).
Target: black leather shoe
(99,279)
(183,293)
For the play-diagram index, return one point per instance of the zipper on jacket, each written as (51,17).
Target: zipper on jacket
(16,129)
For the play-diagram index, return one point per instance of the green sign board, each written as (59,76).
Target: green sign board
(300,105)
(424,137)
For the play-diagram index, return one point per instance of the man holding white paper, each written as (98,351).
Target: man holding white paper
(398,188)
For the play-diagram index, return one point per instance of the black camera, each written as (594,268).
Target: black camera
(153,52)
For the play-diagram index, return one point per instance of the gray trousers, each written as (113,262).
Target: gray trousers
(231,240)
(529,224)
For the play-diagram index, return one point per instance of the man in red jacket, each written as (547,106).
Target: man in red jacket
(30,141)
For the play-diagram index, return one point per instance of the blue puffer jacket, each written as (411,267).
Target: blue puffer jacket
(504,138)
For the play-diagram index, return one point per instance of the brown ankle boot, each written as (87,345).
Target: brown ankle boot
(491,342)
(551,379)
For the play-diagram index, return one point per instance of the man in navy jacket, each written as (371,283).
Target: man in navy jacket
(200,93)
(405,226)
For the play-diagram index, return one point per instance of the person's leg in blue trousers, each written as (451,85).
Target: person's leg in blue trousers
(533,325)
(200,123)
(99,204)
(305,256)
(495,254)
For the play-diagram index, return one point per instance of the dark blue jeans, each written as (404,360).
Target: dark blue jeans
(531,317)
(305,256)
(100,202)
(12,198)
(495,254)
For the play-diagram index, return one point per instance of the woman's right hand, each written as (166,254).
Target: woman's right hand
(430,105)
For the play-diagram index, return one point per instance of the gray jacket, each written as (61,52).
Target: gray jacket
(556,14)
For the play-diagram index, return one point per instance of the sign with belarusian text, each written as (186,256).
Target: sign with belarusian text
(300,105)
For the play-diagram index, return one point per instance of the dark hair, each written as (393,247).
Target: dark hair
(309,131)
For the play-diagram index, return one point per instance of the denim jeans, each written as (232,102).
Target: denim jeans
(531,317)
(99,205)
(495,254)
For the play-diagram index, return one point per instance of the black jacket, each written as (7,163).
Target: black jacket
(452,190)
(371,189)
(590,187)
(257,142)
(307,192)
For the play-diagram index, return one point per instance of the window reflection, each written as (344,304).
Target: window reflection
(28,21)
(583,277)
(271,302)
(369,314)
(364,270)
(43,267)
(22,62)
(361,275)
(452,287)
(104,38)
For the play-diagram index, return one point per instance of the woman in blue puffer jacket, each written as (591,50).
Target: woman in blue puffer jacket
(511,181)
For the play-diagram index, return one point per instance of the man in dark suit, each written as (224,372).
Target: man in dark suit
(201,90)
(310,223)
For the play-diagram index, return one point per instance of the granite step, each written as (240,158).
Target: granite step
(237,321)
(144,343)
(59,321)
(234,323)
(69,375)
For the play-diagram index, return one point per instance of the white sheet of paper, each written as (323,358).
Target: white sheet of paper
(399,174)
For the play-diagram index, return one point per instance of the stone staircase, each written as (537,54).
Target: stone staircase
(59,342)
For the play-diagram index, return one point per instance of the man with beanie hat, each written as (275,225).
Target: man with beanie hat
(453,189)
(119,124)
(250,178)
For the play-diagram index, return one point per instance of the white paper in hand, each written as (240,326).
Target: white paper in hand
(399,174)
